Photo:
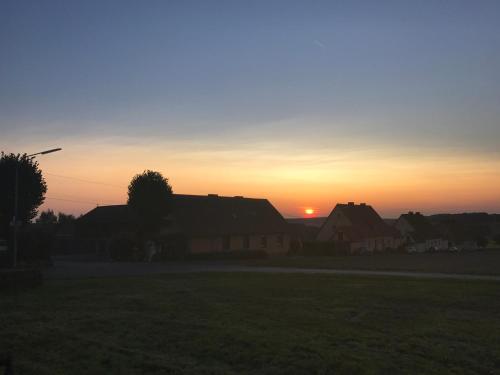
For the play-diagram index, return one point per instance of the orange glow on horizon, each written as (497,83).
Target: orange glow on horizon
(429,183)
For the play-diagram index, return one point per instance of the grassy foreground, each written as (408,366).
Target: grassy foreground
(253,323)
(484,262)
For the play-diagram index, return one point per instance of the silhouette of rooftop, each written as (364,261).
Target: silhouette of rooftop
(204,215)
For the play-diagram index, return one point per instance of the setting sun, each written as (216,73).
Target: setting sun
(309,211)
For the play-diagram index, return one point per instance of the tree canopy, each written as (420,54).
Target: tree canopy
(149,198)
(47,218)
(31,188)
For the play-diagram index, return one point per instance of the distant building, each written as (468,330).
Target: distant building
(208,223)
(419,233)
(466,231)
(360,228)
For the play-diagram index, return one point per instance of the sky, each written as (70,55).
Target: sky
(308,103)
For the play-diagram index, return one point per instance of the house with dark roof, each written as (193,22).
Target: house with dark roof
(360,228)
(208,223)
(419,234)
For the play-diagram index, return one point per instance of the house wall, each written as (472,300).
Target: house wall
(272,243)
(375,244)
(203,245)
(420,247)
(335,220)
(403,226)
(329,232)
(437,243)
(406,229)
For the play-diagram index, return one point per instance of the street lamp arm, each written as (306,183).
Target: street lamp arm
(44,152)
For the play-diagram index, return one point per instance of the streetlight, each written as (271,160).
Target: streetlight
(16,198)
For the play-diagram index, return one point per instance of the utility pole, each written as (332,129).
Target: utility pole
(16,202)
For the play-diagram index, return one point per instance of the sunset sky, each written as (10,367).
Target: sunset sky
(393,103)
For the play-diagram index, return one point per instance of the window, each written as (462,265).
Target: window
(263,242)
(280,240)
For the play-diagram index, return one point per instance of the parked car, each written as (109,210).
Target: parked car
(411,249)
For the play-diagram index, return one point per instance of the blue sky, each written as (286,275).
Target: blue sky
(386,75)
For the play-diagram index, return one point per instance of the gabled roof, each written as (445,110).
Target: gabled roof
(422,228)
(116,214)
(215,215)
(366,222)
(202,215)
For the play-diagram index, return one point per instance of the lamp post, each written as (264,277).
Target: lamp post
(16,199)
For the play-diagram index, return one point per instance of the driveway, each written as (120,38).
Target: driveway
(64,269)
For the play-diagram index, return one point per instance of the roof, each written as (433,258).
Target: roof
(422,228)
(365,222)
(116,214)
(308,221)
(205,215)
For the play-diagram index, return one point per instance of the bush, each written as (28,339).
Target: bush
(173,247)
(481,241)
(34,245)
(126,247)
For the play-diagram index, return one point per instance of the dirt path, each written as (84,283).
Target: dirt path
(80,270)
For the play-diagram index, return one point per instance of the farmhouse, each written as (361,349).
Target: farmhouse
(419,234)
(207,223)
(359,228)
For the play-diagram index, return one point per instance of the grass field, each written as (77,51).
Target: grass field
(253,323)
(485,262)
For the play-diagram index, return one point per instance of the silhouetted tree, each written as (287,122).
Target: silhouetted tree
(150,199)
(47,218)
(63,218)
(31,188)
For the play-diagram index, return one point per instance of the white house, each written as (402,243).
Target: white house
(419,234)
(360,228)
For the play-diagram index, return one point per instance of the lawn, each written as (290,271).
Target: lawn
(484,262)
(249,323)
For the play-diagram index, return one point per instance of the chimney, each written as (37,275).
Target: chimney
(350,203)
(417,213)
(213,195)
(362,204)
(238,196)
(410,212)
